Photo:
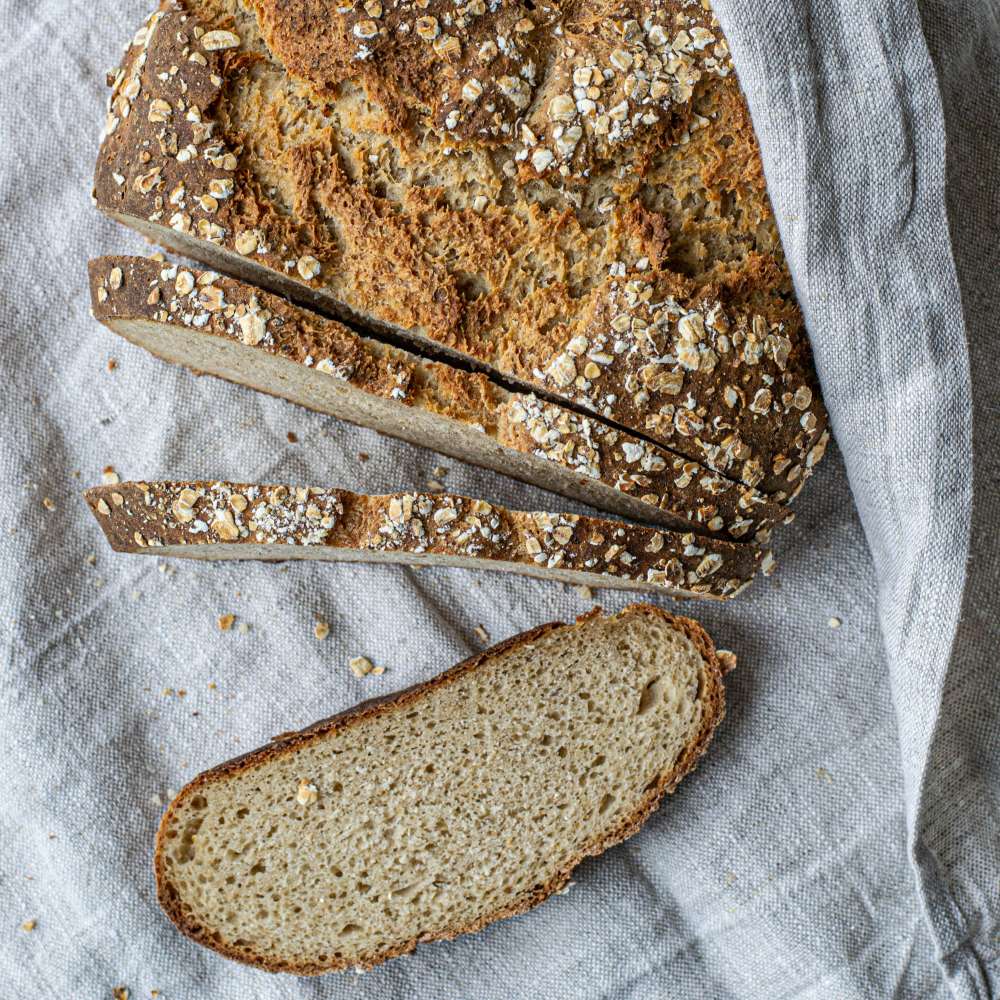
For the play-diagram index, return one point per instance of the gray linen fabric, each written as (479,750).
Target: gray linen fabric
(840,840)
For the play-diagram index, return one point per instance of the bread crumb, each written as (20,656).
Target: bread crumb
(378,671)
(727,660)
(29,925)
(360,665)
(48,503)
(293,438)
(435,485)
(481,633)
(307,794)
(363,456)
(822,774)
(212,685)
(243,628)
(109,476)
(768,564)
(226,622)
(112,364)
(91,558)
(120,993)
(835,623)
(321,630)
(585,592)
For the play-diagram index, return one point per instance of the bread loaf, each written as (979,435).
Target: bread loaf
(278,522)
(441,809)
(221,326)
(570,197)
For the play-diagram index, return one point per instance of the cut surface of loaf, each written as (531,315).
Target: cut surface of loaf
(202,520)
(571,197)
(222,326)
(444,808)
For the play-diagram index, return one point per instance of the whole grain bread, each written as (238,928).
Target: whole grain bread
(569,196)
(438,810)
(224,327)
(278,522)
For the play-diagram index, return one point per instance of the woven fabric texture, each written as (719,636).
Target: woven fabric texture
(842,837)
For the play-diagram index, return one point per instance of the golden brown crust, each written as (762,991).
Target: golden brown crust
(713,696)
(146,517)
(607,290)
(672,490)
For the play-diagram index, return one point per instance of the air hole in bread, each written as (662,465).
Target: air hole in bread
(651,694)
(407,892)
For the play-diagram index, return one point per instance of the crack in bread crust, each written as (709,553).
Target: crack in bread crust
(645,283)
(714,704)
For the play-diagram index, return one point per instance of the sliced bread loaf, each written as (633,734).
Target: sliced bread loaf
(570,197)
(221,326)
(278,522)
(439,810)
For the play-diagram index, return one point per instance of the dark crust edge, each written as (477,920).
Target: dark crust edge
(713,699)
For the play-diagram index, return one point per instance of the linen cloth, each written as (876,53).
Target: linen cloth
(841,838)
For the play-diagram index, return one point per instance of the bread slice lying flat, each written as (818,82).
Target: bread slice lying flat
(278,522)
(583,213)
(436,811)
(224,327)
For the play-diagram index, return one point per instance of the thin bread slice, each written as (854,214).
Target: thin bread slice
(436,811)
(277,522)
(224,327)
(635,272)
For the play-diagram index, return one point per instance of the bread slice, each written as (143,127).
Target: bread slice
(593,225)
(278,522)
(439,810)
(221,326)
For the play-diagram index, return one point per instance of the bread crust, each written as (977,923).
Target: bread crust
(714,701)
(717,368)
(287,520)
(667,489)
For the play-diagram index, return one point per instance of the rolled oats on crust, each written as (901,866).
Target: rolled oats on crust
(569,196)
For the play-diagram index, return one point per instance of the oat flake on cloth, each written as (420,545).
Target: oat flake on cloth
(841,840)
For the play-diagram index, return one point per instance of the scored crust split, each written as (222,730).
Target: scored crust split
(580,209)
(278,522)
(224,327)
(356,839)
